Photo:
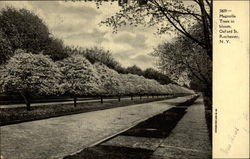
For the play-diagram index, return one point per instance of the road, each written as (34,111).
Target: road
(61,136)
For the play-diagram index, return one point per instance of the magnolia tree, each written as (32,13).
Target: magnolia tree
(128,83)
(110,81)
(175,89)
(140,86)
(133,85)
(156,87)
(150,87)
(162,90)
(28,74)
(167,89)
(145,86)
(79,77)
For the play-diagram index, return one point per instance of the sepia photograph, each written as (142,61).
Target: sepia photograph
(126,79)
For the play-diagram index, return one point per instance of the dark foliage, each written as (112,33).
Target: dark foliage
(22,29)
(154,74)
(5,48)
(134,70)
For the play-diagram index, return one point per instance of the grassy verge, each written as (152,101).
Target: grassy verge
(17,115)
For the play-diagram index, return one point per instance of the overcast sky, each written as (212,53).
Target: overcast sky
(77,23)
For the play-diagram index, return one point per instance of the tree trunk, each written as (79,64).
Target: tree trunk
(140,97)
(206,29)
(119,98)
(101,99)
(131,97)
(147,96)
(75,98)
(28,105)
(207,98)
(27,100)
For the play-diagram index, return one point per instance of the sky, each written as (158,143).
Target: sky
(77,24)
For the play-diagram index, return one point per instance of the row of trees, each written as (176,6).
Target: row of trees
(36,74)
(22,29)
(190,20)
(105,57)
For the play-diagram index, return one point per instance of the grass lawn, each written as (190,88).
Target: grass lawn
(17,115)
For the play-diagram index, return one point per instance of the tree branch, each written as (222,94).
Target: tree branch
(196,16)
(182,29)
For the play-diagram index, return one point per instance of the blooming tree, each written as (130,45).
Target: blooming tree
(127,81)
(109,80)
(80,77)
(30,74)
(140,87)
(180,90)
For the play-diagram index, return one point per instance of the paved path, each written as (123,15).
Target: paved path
(60,136)
(189,139)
